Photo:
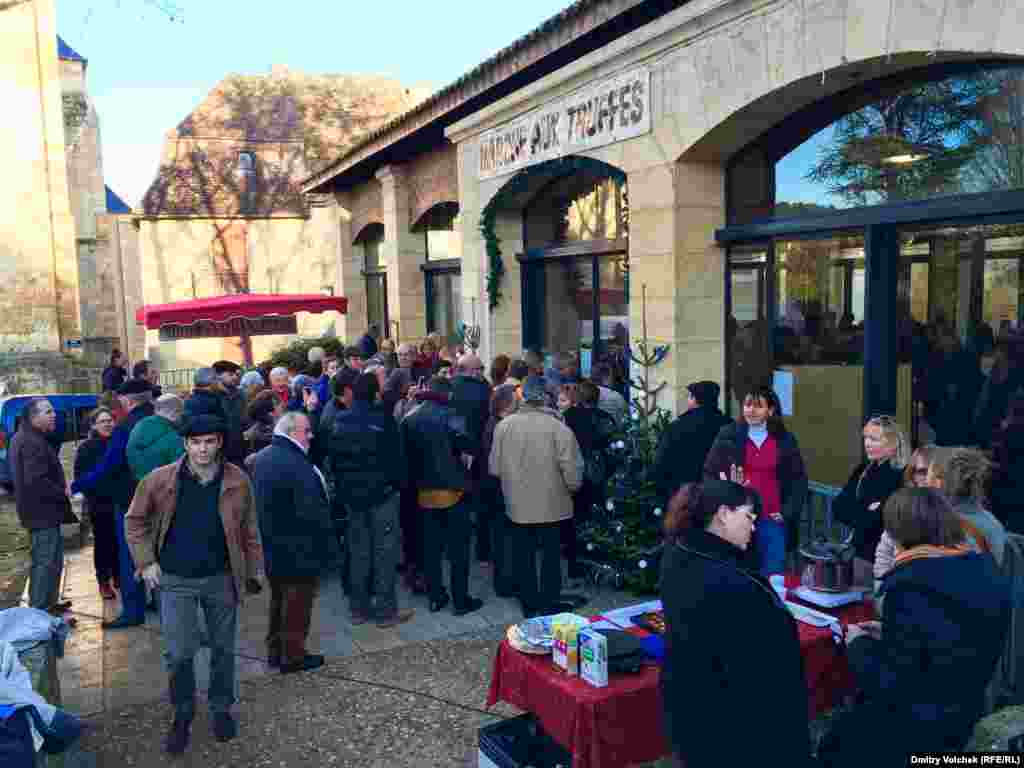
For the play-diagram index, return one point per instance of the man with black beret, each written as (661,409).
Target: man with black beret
(115,473)
(192,532)
(685,444)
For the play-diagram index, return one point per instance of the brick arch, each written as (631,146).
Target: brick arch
(368,230)
(431,179)
(439,211)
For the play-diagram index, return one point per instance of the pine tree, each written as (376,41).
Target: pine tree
(623,542)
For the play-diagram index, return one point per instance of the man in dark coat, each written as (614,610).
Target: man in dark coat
(368,341)
(685,444)
(115,472)
(114,375)
(471,399)
(233,402)
(439,451)
(205,399)
(41,498)
(369,469)
(298,538)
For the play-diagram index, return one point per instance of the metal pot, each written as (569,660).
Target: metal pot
(827,566)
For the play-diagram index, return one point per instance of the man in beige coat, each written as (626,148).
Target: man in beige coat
(538,460)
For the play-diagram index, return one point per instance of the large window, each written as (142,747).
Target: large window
(963,133)
(375,274)
(442,270)
(576,268)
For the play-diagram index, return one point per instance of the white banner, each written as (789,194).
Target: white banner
(598,114)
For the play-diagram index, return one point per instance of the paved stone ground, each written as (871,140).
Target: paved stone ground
(409,696)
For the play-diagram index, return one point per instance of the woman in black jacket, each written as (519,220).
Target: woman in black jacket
(99,505)
(860,503)
(924,669)
(1008,468)
(733,686)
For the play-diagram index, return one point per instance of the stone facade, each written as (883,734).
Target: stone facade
(216,223)
(39,310)
(722,73)
(62,254)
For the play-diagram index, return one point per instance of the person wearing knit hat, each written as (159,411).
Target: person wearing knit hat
(686,441)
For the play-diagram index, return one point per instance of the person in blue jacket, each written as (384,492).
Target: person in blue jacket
(114,472)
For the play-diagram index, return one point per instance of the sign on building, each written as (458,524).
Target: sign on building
(596,115)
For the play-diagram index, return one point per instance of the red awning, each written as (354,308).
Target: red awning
(220,309)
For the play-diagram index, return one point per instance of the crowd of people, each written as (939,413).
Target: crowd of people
(385,461)
(379,462)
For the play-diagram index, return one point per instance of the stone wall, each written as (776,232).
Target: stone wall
(39,305)
(45,373)
(722,73)
(282,256)
(432,178)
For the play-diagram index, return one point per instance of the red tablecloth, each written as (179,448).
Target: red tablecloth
(621,725)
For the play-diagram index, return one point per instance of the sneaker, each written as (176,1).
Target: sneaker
(177,738)
(224,726)
(309,662)
(399,617)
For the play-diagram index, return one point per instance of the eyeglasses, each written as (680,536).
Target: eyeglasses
(919,471)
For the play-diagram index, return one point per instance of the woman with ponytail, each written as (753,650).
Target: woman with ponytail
(733,687)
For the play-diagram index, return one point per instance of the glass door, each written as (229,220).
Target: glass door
(747,349)
(960,328)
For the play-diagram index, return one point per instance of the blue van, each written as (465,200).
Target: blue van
(72,423)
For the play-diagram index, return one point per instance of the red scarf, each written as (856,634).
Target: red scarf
(923,551)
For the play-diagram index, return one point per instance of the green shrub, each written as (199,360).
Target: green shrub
(295,355)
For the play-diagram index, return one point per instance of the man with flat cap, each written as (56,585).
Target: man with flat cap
(114,472)
(192,532)
(233,403)
(685,444)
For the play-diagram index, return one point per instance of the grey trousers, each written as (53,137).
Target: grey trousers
(374,548)
(180,600)
(47,566)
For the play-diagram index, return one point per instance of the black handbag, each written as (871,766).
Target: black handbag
(625,653)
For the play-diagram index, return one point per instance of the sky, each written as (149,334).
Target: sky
(146,73)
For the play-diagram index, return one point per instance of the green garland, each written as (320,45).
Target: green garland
(519,184)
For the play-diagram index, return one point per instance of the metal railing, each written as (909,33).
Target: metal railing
(176,379)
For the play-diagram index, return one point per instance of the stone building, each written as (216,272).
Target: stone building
(824,195)
(63,256)
(226,215)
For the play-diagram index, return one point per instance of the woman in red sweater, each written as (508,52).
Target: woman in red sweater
(758,451)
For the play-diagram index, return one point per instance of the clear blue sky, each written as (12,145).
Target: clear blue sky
(147,73)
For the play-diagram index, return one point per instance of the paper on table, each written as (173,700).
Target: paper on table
(813,617)
(622,616)
(829,599)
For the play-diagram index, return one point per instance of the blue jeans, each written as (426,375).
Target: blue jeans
(770,546)
(47,564)
(133,593)
(180,600)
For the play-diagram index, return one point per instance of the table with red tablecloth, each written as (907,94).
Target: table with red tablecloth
(621,724)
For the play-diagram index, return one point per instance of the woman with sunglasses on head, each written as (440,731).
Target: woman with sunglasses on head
(757,450)
(875,479)
(914,476)
(732,684)
(99,502)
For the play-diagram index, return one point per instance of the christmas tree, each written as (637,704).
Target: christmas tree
(622,543)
